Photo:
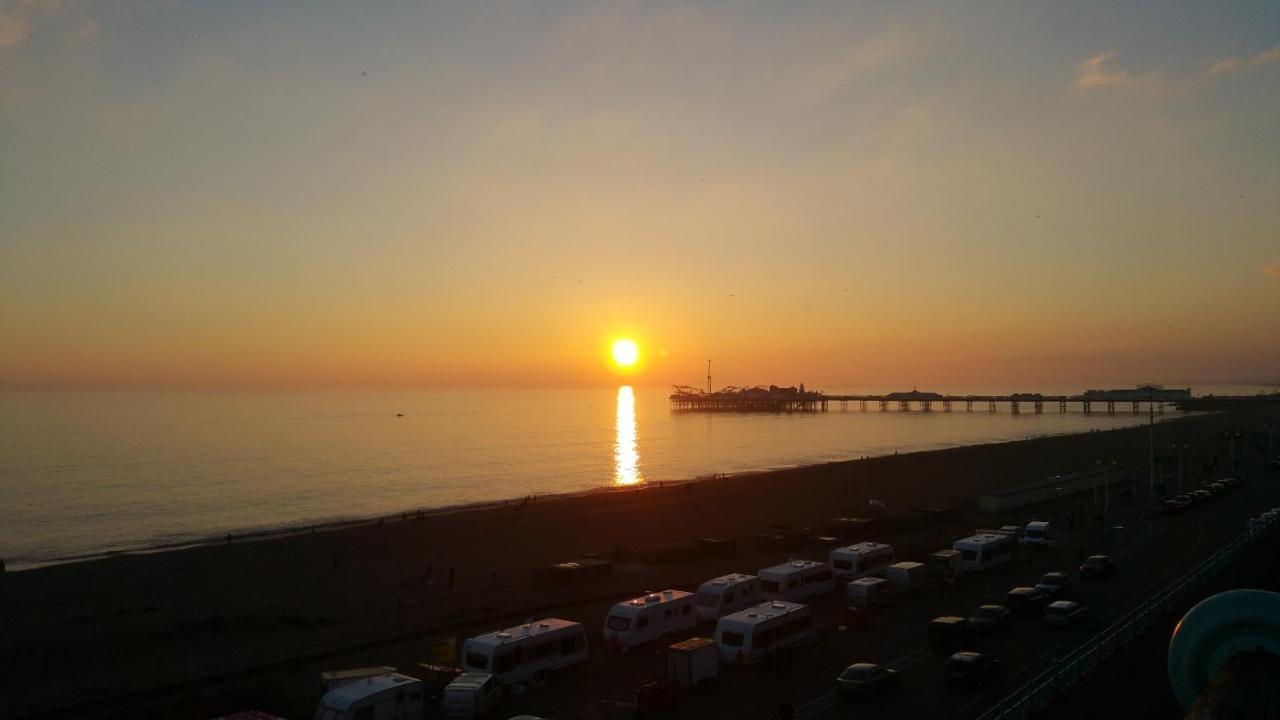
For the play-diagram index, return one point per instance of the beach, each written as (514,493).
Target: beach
(186,617)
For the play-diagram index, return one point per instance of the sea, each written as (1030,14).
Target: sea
(83,474)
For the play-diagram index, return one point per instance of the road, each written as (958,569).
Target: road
(1149,552)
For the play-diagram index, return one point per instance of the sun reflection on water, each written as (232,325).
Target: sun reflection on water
(626,460)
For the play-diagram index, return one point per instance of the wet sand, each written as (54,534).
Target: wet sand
(100,629)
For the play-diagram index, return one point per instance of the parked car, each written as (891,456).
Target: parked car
(1215,488)
(1273,463)
(1173,506)
(1026,601)
(1064,612)
(1201,495)
(866,680)
(989,618)
(1097,566)
(1055,584)
(970,670)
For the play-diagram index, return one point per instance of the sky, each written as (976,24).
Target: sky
(331,194)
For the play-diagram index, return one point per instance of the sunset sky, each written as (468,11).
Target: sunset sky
(321,194)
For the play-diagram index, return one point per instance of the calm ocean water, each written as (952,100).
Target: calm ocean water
(84,473)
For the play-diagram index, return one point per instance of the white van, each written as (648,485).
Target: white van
(796,580)
(470,696)
(526,651)
(745,636)
(726,594)
(648,617)
(1039,533)
(861,560)
(983,551)
(381,697)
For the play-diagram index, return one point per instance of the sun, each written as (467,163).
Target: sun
(625,352)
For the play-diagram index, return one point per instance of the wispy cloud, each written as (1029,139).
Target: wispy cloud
(19,17)
(1102,72)
(1227,65)
(1233,64)
(1273,270)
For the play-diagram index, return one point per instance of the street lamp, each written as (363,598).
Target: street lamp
(1179,449)
(1151,389)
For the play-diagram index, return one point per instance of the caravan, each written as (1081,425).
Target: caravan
(746,636)
(527,651)
(648,617)
(983,551)
(796,580)
(391,696)
(861,560)
(726,594)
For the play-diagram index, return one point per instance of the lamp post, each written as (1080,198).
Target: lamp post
(1151,434)
(1179,449)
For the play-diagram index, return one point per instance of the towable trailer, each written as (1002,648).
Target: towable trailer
(528,651)
(746,636)
(861,560)
(984,551)
(383,697)
(796,580)
(648,617)
(726,594)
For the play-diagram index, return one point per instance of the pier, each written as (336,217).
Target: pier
(797,399)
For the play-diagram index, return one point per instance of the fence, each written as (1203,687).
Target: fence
(1038,692)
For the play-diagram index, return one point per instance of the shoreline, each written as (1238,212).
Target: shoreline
(259,534)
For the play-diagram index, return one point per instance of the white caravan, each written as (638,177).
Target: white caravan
(796,580)
(470,696)
(526,651)
(382,697)
(983,551)
(745,636)
(861,560)
(726,594)
(648,617)
(1039,533)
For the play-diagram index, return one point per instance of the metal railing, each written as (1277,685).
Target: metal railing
(1038,692)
